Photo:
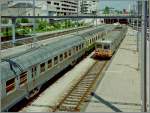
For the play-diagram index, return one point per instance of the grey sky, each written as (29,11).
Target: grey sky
(117,4)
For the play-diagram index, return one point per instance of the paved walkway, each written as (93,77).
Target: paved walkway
(119,89)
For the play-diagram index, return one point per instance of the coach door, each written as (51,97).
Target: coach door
(34,73)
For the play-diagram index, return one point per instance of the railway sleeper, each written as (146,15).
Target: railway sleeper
(89,77)
(90,74)
(86,82)
(73,95)
(80,91)
(73,99)
(85,87)
(71,102)
(65,106)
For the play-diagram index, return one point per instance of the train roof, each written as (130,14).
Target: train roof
(38,55)
(109,37)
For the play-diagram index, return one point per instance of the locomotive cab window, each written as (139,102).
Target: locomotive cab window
(23,78)
(56,60)
(99,45)
(10,85)
(106,46)
(42,67)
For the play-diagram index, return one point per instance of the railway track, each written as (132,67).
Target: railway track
(81,91)
(8,44)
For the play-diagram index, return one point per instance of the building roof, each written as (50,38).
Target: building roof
(22,5)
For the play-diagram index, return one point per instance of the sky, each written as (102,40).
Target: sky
(117,4)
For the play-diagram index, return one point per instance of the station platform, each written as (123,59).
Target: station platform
(119,90)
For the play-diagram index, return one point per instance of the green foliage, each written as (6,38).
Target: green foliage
(106,10)
(7,33)
(42,25)
(23,31)
(4,21)
(24,20)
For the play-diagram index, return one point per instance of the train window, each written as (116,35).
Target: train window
(10,85)
(76,48)
(50,63)
(69,52)
(42,67)
(106,46)
(23,78)
(65,55)
(56,60)
(61,57)
(80,47)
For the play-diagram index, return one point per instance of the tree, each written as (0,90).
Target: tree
(106,10)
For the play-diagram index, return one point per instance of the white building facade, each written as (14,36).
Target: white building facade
(42,7)
(89,6)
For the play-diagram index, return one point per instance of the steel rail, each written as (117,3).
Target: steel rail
(75,97)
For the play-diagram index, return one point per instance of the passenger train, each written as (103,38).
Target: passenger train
(22,76)
(106,46)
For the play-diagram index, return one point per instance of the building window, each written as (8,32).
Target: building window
(65,55)
(23,78)
(48,2)
(56,3)
(61,57)
(10,85)
(42,67)
(50,63)
(56,60)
